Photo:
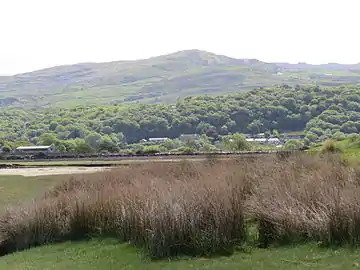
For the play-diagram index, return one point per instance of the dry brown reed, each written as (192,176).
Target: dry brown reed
(195,208)
(167,209)
(307,199)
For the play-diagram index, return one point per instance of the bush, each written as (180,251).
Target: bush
(186,150)
(153,149)
(330,146)
(293,145)
(237,142)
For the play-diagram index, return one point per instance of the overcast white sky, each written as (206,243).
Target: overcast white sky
(43,33)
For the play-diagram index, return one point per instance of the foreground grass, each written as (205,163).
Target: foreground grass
(95,198)
(109,254)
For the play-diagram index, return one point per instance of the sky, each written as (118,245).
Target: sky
(39,34)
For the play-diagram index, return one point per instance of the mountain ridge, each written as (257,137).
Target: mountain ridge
(193,51)
(162,78)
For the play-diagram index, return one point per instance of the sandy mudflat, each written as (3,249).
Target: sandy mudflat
(51,171)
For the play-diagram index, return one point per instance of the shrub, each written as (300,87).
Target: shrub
(186,150)
(330,146)
(153,149)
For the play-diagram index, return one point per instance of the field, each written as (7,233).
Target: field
(265,213)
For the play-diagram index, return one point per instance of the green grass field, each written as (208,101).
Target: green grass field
(17,189)
(109,254)
(349,150)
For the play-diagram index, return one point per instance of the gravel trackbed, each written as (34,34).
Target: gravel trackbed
(51,171)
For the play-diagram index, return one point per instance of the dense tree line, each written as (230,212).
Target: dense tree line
(321,112)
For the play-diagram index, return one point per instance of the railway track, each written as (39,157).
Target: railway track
(148,156)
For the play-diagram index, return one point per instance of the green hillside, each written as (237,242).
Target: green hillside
(322,112)
(161,79)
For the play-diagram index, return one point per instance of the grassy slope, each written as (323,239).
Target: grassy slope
(350,150)
(160,79)
(109,254)
(17,189)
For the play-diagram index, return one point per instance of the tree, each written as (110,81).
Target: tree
(53,125)
(107,145)
(107,130)
(119,138)
(60,148)
(293,145)
(267,134)
(75,132)
(276,133)
(81,147)
(237,142)
(349,127)
(93,140)
(47,139)
(152,149)
(172,144)
(255,126)
(6,149)
(316,110)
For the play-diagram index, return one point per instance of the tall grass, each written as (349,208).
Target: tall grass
(308,199)
(330,146)
(196,208)
(165,209)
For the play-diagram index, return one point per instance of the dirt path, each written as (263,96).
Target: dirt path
(51,171)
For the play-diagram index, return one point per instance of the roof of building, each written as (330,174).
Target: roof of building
(189,135)
(256,140)
(36,147)
(263,140)
(158,139)
(274,140)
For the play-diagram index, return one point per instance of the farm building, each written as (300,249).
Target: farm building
(158,140)
(189,137)
(35,149)
(271,141)
(294,136)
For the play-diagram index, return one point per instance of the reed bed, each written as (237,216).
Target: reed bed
(196,208)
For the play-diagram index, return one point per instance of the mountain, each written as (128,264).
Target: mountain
(162,79)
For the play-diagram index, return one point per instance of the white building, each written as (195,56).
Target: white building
(274,141)
(189,137)
(271,141)
(158,140)
(36,149)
